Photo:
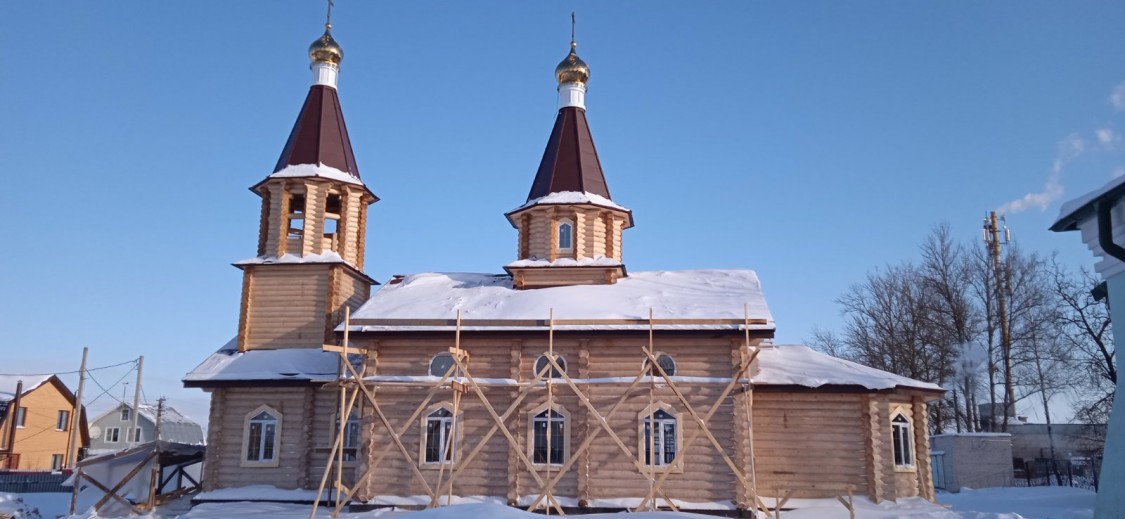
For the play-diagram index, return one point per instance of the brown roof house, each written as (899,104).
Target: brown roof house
(36,418)
(564,382)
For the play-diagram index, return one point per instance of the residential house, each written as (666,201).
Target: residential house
(39,420)
(113,430)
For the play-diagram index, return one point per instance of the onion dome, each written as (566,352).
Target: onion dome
(572,69)
(325,49)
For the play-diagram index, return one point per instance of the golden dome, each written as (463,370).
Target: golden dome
(572,69)
(325,49)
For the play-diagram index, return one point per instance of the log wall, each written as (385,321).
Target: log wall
(597,232)
(273,239)
(810,443)
(308,420)
(285,306)
(604,471)
(296,306)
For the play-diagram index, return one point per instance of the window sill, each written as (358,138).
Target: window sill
(678,468)
(259,464)
(437,466)
(906,468)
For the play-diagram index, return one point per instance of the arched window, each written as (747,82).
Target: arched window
(665,440)
(665,362)
(440,364)
(263,426)
(440,438)
(566,235)
(541,364)
(351,435)
(548,437)
(901,433)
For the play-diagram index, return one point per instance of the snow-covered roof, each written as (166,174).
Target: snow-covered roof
(8,384)
(1081,208)
(168,415)
(316,170)
(325,257)
(295,364)
(786,365)
(683,299)
(571,197)
(800,365)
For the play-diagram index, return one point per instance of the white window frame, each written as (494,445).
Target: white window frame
(125,414)
(558,234)
(661,438)
(533,419)
(56,462)
(21,417)
(902,440)
(62,421)
(447,427)
(248,423)
(136,434)
(551,372)
(112,435)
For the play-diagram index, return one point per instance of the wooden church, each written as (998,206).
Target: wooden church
(566,383)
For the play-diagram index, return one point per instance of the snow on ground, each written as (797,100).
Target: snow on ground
(35,506)
(1029,503)
(989,503)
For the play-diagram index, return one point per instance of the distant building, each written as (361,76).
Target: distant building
(113,429)
(1031,442)
(988,411)
(43,415)
(971,460)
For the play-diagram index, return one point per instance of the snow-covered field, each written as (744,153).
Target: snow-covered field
(991,503)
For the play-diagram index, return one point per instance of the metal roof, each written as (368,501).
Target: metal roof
(320,136)
(570,162)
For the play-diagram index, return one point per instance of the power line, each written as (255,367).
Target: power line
(104,390)
(66,372)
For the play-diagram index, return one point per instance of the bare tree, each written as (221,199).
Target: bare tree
(982,277)
(909,319)
(1045,369)
(951,316)
(1083,325)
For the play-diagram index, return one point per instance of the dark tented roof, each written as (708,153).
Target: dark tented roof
(319,136)
(570,162)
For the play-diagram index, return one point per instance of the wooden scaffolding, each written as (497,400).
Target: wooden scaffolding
(354,389)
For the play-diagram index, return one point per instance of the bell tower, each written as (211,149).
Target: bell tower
(311,235)
(569,228)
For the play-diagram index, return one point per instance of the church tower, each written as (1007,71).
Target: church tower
(569,228)
(312,232)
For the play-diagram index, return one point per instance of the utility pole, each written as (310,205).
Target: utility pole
(14,412)
(76,415)
(132,433)
(159,418)
(992,240)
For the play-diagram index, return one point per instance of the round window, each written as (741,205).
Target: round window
(440,364)
(665,362)
(541,364)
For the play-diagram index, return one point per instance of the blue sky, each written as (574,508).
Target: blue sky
(810,141)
